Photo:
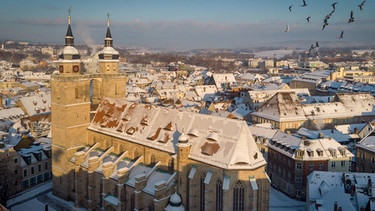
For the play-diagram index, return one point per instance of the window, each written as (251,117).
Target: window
(32,169)
(238,197)
(39,167)
(25,184)
(333,164)
(298,179)
(202,193)
(32,181)
(25,173)
(219,195)
(320,166)
(298,166)
(343,163)
(46,165)
(298,193)
(362,156)
(372,160)
(16,172)
(40,178)
(311,166)
(15,160)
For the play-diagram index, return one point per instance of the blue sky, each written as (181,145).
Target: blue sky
(182,24)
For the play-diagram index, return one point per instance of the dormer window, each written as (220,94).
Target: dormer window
(144,121)
(169,126)
(310,152)
(319,151)
(332,151)
(300,153)
(130,131)
(213,137)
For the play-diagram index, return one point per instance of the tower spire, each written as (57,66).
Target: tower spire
(108,42)
(69,39)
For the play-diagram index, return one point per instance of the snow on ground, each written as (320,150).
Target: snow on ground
(33,204)
(30,194)
(281,202)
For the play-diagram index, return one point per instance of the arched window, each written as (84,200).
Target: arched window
(238,197)
(171,165)
(132,201)
(202,193)
(219,195)
(151,206)
(153,160)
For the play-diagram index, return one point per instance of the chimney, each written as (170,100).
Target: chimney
(340,209)
(362,208)
(335,206)
(356,130)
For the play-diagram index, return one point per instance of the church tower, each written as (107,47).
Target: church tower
(108,82)
(70,110)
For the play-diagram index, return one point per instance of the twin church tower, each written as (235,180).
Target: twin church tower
(74,95)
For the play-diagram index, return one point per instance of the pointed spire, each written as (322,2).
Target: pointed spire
(108,42)
(69,39)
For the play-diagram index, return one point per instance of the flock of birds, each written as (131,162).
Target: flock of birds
(325,23)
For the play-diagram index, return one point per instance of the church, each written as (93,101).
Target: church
(111,154)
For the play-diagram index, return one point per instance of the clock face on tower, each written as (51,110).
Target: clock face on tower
(75,68)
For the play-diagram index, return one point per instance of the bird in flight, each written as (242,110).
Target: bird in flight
(329,15)
(290,8)
(325,23)
(361,5)
(351,19)
(341,35)
(317,44)
(304,4)
(308,19)
(334,5)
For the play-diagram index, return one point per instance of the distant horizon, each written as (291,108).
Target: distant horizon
(187,25)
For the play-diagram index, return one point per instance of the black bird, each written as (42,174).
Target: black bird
(351,19)
(329,15)
(361,5)
(334,5)
(290,8)
(308,19)
(317,44)
(341,35)
(325,23)
(304,4)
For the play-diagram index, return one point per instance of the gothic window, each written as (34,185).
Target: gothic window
(219,195)
(202,193)
(238,197)
(151,206)
(132,201)
(170,165)
(153,160)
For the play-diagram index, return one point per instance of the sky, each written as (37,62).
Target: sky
(192,24)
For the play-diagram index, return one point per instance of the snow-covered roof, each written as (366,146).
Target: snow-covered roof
(234,148)
(348,190)
(36,104)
